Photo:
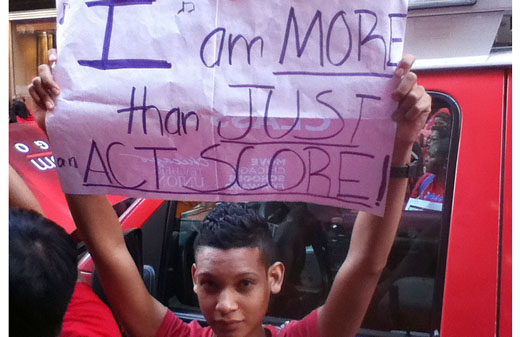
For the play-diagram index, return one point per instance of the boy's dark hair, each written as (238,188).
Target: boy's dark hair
(235,225)
(42,274)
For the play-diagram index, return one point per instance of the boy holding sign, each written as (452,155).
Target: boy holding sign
(233,274)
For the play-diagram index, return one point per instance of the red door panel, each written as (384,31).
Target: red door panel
(507,235)
(470,295)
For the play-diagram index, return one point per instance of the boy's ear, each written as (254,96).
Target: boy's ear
(275,275)
(194,277)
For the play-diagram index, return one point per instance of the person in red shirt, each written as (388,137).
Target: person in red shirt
(431,185)
(88,316)
(441,117)
(235,272)
(46,297)
(234,284)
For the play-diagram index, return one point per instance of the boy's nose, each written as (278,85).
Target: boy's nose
(226,302)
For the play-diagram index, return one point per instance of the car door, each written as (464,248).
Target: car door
(472,264)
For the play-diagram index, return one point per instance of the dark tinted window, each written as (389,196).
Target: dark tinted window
(123,205)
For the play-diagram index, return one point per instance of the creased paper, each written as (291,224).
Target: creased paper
(228,100)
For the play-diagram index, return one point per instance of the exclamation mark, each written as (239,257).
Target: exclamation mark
(382,187)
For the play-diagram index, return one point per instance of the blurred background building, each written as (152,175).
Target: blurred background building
(32,29)
(437,30)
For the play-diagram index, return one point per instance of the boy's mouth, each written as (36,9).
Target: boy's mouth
(227,325)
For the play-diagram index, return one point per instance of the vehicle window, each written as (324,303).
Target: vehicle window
(123,205)
(313,241)
(504,36)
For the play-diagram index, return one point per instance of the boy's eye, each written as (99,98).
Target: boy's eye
(246,283)
(208,284)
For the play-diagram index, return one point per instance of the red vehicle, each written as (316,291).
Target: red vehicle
(450,270)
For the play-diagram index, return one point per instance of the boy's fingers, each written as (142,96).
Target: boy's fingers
(410,101)
(421,105)
(417,113)
(36,98)
(413,104)
(44,97)
(45,73)
(34,95)
(406,84)
(405,65)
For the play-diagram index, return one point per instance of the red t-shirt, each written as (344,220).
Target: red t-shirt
(172,326)
(428,188)
(88,316)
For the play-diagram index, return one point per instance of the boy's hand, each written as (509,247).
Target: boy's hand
(44,91)
(412,112)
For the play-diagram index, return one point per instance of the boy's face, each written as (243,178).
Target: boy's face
(233,287)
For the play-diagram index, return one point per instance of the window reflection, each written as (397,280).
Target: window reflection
(432,149)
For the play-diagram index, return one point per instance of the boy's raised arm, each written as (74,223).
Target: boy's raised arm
(373,236)
(137,311)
